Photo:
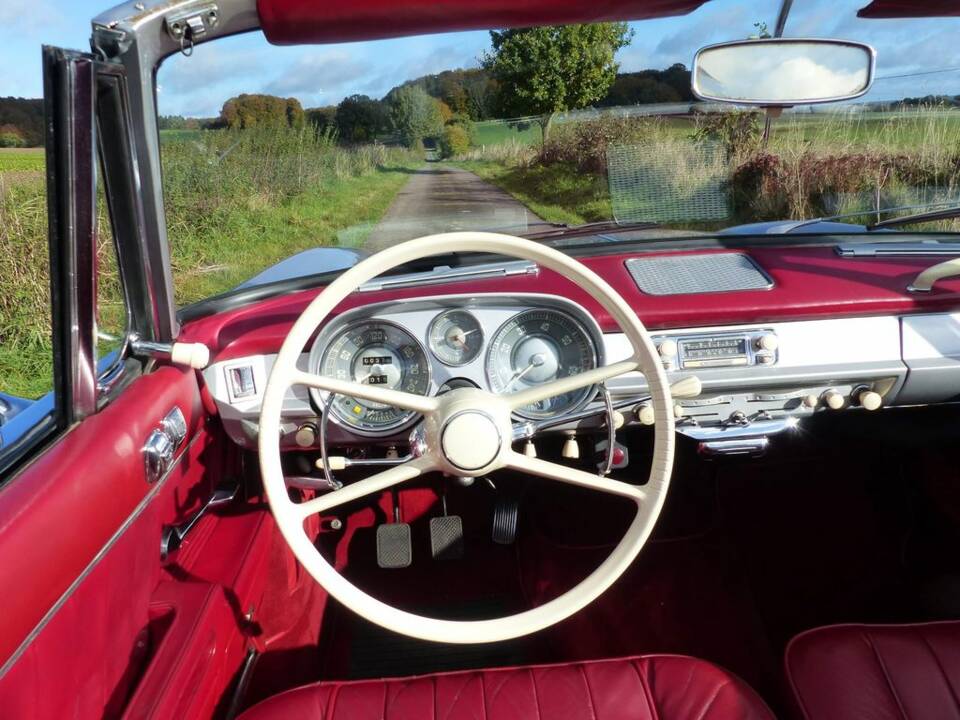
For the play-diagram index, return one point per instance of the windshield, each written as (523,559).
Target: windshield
(270,152)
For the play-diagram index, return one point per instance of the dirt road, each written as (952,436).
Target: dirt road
(440,198)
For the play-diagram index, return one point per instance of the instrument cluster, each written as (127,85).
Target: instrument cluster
(492,343)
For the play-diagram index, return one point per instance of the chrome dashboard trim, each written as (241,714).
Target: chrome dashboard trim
(446,274)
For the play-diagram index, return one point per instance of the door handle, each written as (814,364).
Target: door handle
(163,443)
(174,535)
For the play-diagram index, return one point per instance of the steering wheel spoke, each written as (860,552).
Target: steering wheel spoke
(570,383)
(394,398)
(574,476)
(374,484)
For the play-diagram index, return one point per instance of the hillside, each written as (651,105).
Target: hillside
(26,115)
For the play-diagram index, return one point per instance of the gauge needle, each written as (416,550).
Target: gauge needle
(535,362)
(459,337)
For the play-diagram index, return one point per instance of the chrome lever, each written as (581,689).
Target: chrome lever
(174,535)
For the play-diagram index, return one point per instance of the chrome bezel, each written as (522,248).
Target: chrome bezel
(589,392)
(440,316)
(317,354)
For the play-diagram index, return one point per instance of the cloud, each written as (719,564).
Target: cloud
(315,75)
(29,16)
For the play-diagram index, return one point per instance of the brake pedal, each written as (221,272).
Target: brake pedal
(394,547)
(446,537)
(506,514)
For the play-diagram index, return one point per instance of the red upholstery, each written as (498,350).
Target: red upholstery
(665,687)
(875,672)
(909,8)
(286,22)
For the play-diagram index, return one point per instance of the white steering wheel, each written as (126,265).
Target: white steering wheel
(466,432)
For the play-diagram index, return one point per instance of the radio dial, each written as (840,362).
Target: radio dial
(667,349)
(833,399)
(768,342)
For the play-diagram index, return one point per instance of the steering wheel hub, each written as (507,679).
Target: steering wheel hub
(470,440)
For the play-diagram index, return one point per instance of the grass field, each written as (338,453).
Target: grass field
(236,203)
(493,132)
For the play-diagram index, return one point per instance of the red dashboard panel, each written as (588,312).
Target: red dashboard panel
(809,282)
(288,22)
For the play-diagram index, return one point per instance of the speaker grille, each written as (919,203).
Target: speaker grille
(690,274)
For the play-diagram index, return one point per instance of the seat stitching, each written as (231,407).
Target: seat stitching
(593,707)
(886,675)
(647,692)
(943,672)
(456,698)
(713,699)
(483,695)
(536,695)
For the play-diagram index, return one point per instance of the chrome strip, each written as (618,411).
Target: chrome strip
(62,600)
(443,275)
(899,249)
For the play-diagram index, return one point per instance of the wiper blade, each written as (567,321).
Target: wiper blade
(931,216)
(592,227)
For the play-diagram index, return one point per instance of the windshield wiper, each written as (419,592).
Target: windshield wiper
(930,216)
(592,227)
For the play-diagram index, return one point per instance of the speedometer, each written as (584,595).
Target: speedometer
(375,353)
(537,347)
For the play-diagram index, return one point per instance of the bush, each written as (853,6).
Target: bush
(739,131)
(454,141)
(11,140)
(584,144)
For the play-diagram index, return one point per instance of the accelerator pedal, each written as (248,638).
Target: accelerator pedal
(506,514)
(394,547)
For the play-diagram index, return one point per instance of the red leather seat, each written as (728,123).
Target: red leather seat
(856,672)
(662,687)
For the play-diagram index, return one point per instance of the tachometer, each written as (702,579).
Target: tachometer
(455,337)
(376,353)
(536,347)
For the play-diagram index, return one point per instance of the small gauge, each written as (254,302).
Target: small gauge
(455,337)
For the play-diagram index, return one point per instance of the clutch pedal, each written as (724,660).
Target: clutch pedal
(446,535)
(394,548)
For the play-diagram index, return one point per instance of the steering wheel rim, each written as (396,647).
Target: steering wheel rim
(449,456)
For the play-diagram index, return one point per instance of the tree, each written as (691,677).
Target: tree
(545,70)
(360,118)
(257,111)
(416,115)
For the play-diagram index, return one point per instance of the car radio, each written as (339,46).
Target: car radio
(713,350)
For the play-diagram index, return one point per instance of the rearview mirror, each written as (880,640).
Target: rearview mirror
(781,72)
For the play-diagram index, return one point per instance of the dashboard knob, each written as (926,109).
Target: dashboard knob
(645,414)
(768,342)
(306,435)
(834,399)
(678,411)
(869,399)
(810,401)
(667,349)
(571,448)
(529,449)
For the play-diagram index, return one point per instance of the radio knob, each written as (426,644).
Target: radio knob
(768,342)
(306,435)
(833,399)
(810,401)
(667,349)
(869,399)
(645,414)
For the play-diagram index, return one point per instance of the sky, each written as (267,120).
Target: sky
(325,74)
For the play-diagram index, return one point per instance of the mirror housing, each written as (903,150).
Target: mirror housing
(783,72)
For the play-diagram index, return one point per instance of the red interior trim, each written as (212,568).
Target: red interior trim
(291,22)
(879,9)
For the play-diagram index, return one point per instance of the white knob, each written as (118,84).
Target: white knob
(194,355)
(571,448)
(869,400)
(667,348)
(833,399)
(688,387)
(529,449)
(678,411)
(645,414)
(810,401)
(306,435)
(336,462)
(768,342)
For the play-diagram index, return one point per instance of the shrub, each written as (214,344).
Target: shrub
(738,131)
(10,139)
(584,144)
(454,141)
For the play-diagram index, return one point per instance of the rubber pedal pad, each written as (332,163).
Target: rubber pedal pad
(506,515)
(394,548)
(446,537)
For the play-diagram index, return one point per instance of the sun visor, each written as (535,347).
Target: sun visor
(292,22)
(880,9)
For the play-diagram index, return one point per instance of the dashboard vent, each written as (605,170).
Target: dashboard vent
(691,274)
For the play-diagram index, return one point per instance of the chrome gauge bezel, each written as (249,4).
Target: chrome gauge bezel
(479,329)
(589,393)
(318,353)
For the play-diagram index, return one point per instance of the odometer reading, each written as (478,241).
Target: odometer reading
(537,347)
(381,354)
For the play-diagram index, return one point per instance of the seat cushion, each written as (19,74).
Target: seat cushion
(856,672)
(664,687)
